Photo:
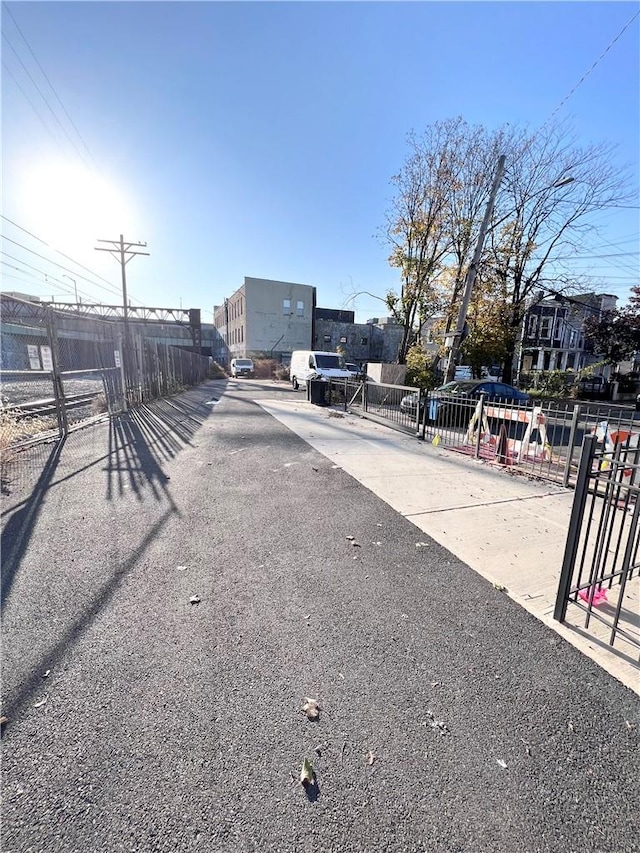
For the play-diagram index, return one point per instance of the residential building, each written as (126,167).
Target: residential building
(553,335)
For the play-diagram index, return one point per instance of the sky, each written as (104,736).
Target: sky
(259,138)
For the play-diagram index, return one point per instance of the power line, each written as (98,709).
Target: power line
(586,74)
(62,254)
(44,74)
(40,92)
(55,263)
(47,276)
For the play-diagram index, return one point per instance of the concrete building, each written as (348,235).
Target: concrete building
(553,332)
(376,340)
(266,318)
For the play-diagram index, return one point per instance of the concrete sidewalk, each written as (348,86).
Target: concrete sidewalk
(509,529)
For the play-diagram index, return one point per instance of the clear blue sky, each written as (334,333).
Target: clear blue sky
(259,138)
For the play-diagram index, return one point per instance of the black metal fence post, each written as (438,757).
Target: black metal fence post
(575,525)
(479,427)
(425,409)
(572,437)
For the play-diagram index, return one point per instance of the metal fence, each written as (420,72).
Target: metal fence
(542,440)
(385,403)
(59,371)
(601,569)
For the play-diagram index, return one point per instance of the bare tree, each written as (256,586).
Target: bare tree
(417,228)
(551,192)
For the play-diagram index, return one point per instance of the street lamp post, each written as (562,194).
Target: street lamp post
(75,287)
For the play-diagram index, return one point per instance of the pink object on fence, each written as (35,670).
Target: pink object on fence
(599,595)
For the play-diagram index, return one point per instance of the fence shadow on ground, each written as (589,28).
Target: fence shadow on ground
(145,438)
(17,532)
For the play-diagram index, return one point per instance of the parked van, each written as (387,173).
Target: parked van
(308,364)
(241,367)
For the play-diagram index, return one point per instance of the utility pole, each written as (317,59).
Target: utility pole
(123,252)
(471,274)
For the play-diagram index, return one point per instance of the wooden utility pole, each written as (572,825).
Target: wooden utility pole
(471,274)
(123,252)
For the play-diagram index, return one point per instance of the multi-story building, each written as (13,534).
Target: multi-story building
(266,318)
(376,340)
(553,335)
(273,318)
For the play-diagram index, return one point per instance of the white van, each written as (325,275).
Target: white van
(241,367)
(308,364)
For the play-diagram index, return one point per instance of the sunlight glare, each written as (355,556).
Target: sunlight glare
(70,207)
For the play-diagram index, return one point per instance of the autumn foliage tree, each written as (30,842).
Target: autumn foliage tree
(545,207)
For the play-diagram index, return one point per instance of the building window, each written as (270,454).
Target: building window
(327,339)
(572,339)
(286,306)
(343,339)
(545,328)
(300,309)
(533,326)
(364,342)
(571,360)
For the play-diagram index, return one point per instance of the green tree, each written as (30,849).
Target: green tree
(615,335)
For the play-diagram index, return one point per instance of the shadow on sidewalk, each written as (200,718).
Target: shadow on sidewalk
(32,682)
(17,533)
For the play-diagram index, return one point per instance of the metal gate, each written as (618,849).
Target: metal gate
(601,568)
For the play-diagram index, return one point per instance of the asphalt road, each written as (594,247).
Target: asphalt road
(451,719)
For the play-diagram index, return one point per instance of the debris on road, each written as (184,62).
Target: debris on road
(306,774)
(195,599)
(350,538)
(4,721)
(437,724)
(356,544)
(46,674)
(181,568)
(344,746)
(500,587)
(422,544)
(311,708)
(502,763)
(371,757)
(318,750)
(40,703)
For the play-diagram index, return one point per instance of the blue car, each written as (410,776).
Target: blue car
(444,400)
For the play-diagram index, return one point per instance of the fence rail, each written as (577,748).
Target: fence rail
(542,440)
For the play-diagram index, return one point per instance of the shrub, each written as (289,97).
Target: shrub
(216,371)
(420,371)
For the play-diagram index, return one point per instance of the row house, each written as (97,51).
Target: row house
(553,336)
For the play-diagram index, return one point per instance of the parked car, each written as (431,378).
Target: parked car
(241,367)
(442,400)
(355,371)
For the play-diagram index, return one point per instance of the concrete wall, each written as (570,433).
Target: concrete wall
(272,326)
(362,342)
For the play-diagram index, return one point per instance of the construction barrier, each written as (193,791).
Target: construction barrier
(610,438)
(533,446)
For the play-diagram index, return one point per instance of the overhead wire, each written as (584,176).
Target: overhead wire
(592,67)
(111,291)
(114,288)
(51,86)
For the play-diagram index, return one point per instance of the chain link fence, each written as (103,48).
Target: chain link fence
(60,371)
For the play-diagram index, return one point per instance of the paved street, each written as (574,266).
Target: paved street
(451,719)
